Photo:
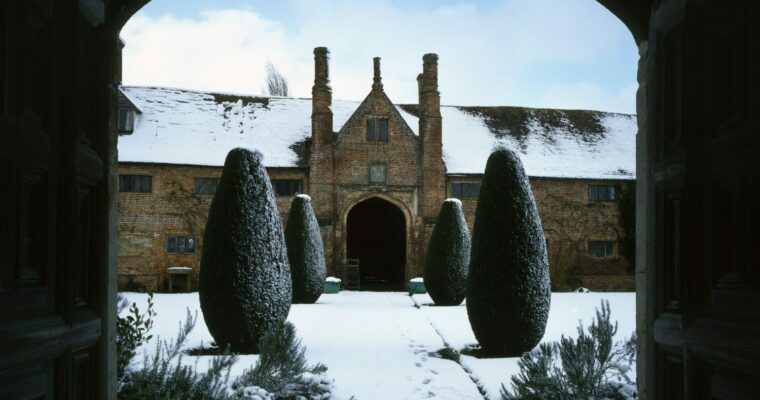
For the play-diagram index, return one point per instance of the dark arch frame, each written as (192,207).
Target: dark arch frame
(376,234)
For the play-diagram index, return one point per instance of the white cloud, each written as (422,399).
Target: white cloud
(485,53)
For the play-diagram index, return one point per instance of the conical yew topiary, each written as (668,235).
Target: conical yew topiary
(508,290)
(244,285)
(305,251)
(448,256)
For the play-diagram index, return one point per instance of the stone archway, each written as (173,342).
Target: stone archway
(376,235)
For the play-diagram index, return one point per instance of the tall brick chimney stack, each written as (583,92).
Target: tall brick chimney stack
(321,174)
(377,82)
(433,168)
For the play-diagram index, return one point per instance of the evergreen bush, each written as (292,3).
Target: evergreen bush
(282,369)
(448,256)
(131,331)
(164,377)
(508,290)
(305,251)
(590,367)
(244,284)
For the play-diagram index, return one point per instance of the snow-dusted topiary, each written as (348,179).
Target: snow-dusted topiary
(244,285)
(508,290)
(305,251)
(448,256)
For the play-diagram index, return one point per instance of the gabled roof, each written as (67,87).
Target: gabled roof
(367,104)
(190,127)
(124,98)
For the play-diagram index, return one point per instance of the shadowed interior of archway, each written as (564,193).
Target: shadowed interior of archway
(376,235)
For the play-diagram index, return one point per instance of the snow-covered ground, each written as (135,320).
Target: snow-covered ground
(377,345)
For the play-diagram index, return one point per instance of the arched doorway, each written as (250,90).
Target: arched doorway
(376,235)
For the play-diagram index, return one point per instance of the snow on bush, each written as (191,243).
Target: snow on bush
(508,290)
(448,256)
(589,367)
(282,369)
(244,284)
(305,251)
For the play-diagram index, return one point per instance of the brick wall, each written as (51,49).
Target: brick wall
(147,220)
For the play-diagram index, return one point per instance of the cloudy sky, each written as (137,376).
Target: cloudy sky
(539,53)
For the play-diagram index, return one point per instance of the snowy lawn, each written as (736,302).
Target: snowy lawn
(377,345)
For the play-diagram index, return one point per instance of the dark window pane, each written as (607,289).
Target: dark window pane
(135,183)
(601,193)
(286,187)
(125,120)
(181,245)
(171,244)
(456,190)
(145,185)
(371,129)
(600,248)
(384,130)
(206,185)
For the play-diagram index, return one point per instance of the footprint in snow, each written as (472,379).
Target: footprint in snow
(426,381)
(434,372)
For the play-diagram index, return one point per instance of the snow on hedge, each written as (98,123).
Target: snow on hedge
(179,126)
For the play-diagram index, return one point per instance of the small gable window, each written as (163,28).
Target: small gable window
(465,190)
(377,129)
(126,120)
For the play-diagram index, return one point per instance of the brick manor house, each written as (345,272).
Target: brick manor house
(377,174)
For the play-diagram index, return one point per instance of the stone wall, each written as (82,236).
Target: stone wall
(146,220)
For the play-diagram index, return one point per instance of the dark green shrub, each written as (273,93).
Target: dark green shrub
(508,289)
(305,251)
(282,369)
(244,285)
(131,331)
(164,377)
(448,256)
(591,367)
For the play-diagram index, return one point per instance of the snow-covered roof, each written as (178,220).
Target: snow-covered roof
(189,127)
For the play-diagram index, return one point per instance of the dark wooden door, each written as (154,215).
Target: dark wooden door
(703,135)
(56,151)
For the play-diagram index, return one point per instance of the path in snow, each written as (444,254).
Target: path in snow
(377,345)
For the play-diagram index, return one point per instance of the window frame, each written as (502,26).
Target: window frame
(608,250)
(295,187)
(136,183)
(125,120)
(374,131)
(609,194)
(458,190)
(202,182)
(188,244)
